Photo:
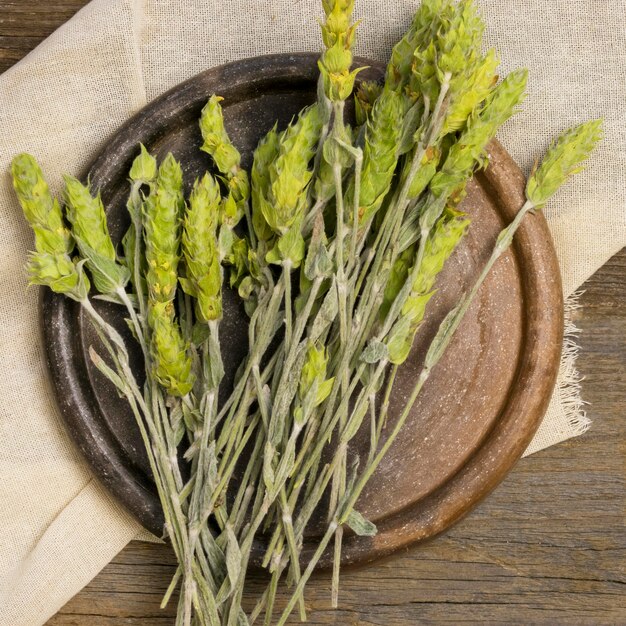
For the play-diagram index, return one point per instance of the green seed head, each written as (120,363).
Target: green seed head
(200,249)
(564,158)
(217,143)
(40,209)
(162,226)
(88,219)
(59,273)
(51,264)
(468,151)
(289,173)
(216,140)
(264,155)
(162,233)
(504,100)
(338,35)
(478,83)
(449,49)
(338,21)
(144,168)
(447,234)
(461,39)
(424,25)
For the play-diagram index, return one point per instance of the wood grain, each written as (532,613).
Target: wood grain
(547,547)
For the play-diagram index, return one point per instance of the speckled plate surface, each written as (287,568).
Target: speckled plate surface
(483,402)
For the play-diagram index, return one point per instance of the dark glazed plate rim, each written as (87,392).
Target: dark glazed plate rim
(507,440)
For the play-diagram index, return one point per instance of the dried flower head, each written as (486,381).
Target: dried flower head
(338,35)
(162,234)
(380,152)
(51,264)
(289,173)
(564,158)
(445,237)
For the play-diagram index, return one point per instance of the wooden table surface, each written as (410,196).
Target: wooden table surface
(548,547)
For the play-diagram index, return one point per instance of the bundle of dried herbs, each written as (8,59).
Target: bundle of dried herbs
(334,242)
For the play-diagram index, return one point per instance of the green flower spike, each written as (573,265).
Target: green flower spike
(162,223)
(401,61)
(563,159)
(338,35)
(200,249)
(51,264)
(449,51)
(478,84)
(380,153)
(289,173)
(162,232)
(144,169)
(289,177)
(90,230)
(468,151)
(40,209)
(60,273)
(264,155)
(424,78)
(217,143)
(364,98)
(313,387)
(143,172)
(172,365)
(227,158)
(447,234)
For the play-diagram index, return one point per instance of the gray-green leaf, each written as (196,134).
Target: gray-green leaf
(361,526)
(233,556)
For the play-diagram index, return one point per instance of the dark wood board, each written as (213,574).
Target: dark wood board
(547,547)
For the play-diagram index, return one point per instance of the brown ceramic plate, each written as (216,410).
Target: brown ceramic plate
(482,404)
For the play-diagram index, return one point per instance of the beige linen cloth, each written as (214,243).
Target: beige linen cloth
(58,526)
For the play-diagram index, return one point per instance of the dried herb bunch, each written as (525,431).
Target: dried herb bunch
(334,242)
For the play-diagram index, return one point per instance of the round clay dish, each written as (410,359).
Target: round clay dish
(483,402)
